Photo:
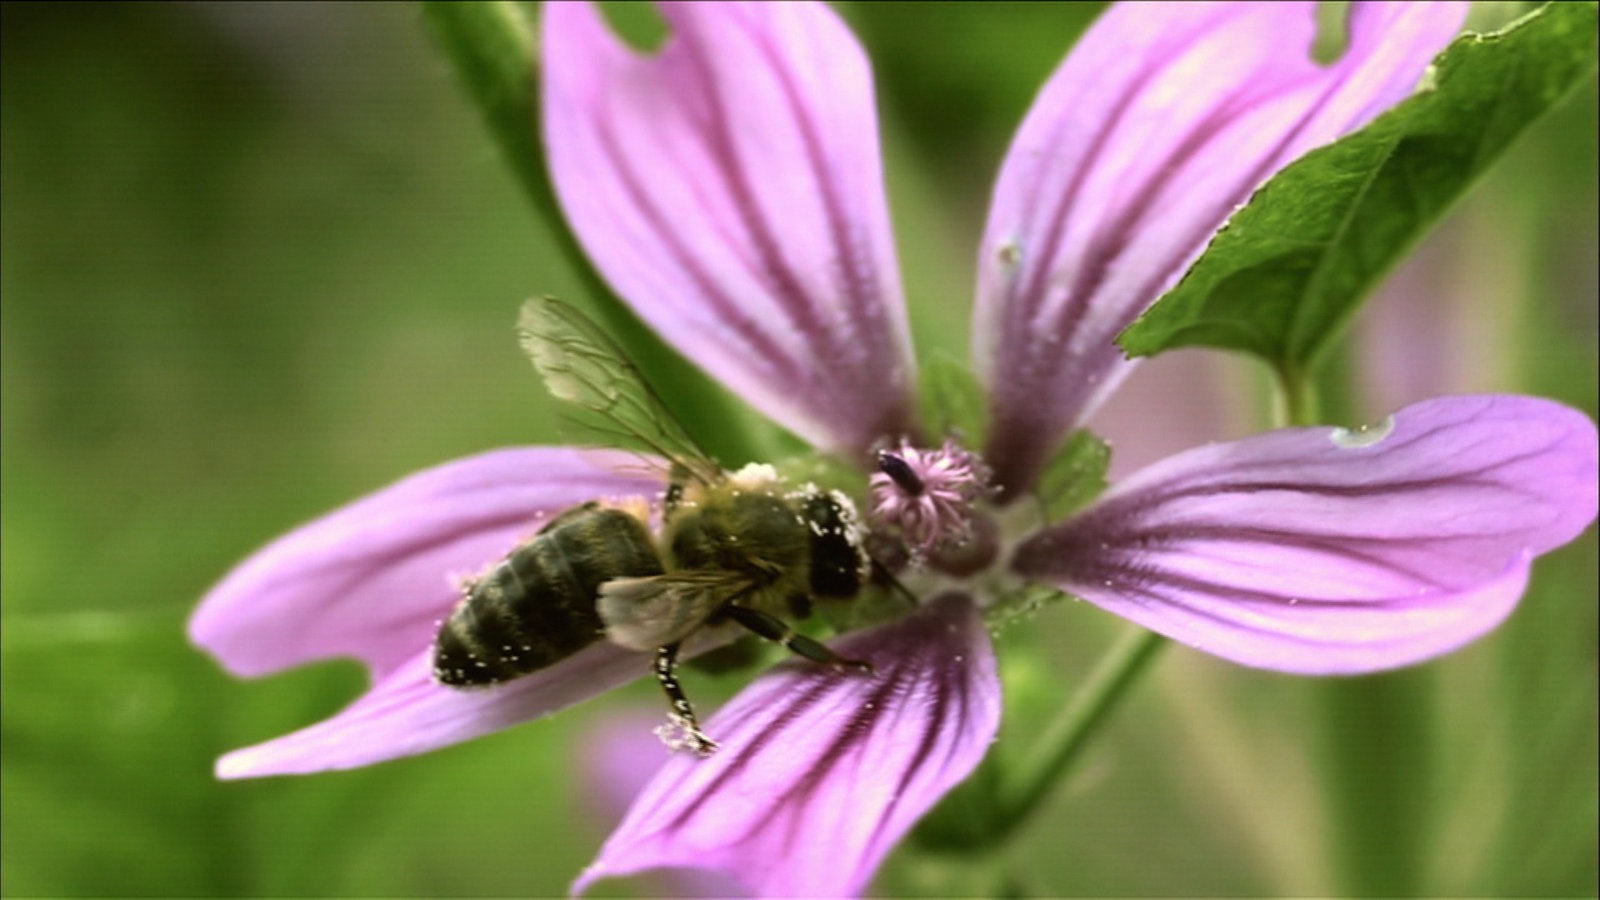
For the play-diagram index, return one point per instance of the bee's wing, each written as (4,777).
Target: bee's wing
(582,365)
(646,613)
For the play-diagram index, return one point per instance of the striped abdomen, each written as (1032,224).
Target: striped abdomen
(537,606)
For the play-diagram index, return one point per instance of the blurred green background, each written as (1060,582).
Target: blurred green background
(259,259)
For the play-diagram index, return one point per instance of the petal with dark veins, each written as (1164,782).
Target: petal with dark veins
(729,187)
(821,771)
(1319,551)
(1162,120)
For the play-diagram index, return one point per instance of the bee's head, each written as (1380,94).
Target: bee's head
(839,562)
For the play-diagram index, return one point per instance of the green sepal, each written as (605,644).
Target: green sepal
(1074,476)
(953,401)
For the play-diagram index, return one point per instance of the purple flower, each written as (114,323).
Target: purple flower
(729,186)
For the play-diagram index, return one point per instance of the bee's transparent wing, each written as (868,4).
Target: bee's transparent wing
(583,366)
(646,613)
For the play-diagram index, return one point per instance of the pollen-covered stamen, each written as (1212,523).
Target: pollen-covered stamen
(928,498)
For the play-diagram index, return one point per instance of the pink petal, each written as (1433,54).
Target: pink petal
(730,188)
(1318,551)
(372,580)
(621,754)
(407,713)
(822,771)
(1161,121)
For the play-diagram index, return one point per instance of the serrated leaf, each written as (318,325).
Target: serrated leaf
(1289,269)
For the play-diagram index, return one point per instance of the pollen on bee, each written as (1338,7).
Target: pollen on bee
(635,506)
(680,734)
(754,475)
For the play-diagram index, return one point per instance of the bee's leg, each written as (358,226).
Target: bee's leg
(773,629)
(881,574)
(682,710)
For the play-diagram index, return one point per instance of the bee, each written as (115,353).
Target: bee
(743,547)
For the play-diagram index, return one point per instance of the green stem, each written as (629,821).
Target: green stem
(1023,789)
(491,44)
(1374,749)
(1375,765)
(1297,397)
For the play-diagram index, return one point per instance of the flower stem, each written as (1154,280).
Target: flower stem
(1024,788)
(1375,760)
(1373,748)
(1297,397)
(491,44)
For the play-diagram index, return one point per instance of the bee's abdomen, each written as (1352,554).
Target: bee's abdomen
(537,606)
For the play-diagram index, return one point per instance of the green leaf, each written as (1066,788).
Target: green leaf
(1285,273)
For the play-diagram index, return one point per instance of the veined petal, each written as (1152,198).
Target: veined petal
(407,713)
(373,580)
(1317,550)
(730,188)
(621,753)
(821,771)
(1160,122)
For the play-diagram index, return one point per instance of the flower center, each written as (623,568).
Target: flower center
(928,503)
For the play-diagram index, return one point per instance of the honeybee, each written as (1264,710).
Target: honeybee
(744,547)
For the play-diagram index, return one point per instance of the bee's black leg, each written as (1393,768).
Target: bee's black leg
(682,710)
(773,629)
(882,575)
